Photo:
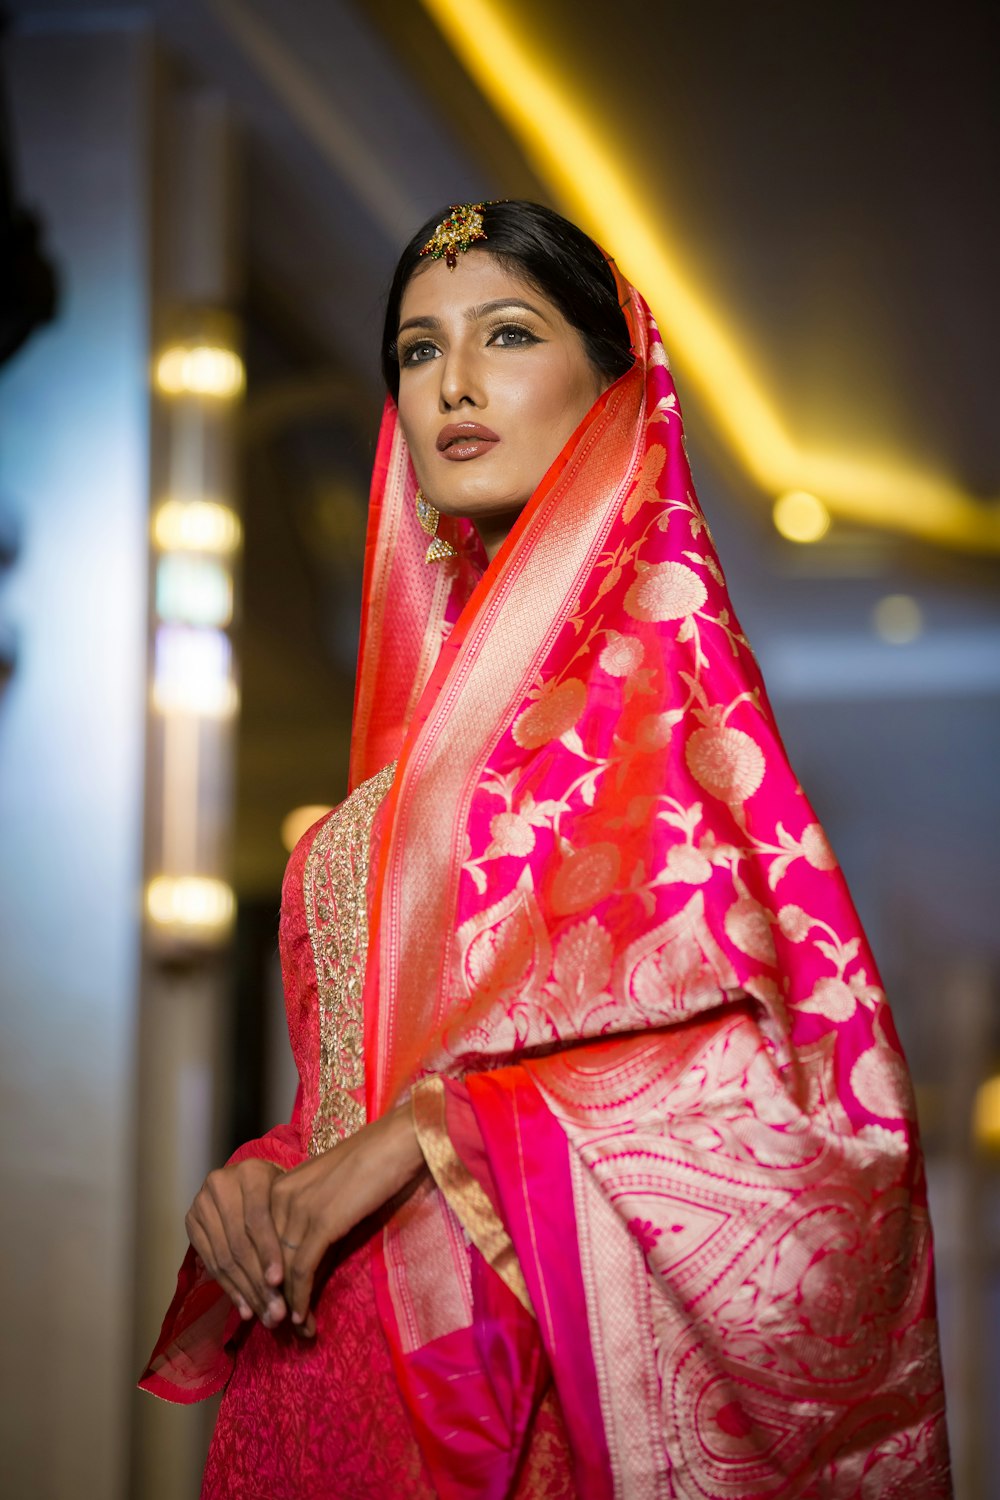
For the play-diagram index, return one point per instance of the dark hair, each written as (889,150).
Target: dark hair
(553,255)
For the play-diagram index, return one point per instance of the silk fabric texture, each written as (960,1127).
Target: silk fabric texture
(614,961)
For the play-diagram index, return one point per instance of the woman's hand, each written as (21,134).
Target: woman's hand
(230,1226)
(316,1204)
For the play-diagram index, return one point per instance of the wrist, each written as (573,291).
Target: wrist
(403,1145)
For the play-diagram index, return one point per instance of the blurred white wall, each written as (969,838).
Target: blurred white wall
(73,468)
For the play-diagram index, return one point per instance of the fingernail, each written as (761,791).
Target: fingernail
(245,1312)
(296,1317)
(276,1309)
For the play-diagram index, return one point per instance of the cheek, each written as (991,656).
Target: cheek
(565,398)
(545,412)
(407,418)
(412,429)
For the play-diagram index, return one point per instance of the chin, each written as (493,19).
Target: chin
(483,500)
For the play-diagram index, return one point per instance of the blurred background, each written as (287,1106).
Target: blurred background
(201,202)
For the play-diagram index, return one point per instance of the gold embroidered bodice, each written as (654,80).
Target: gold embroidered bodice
(335,889)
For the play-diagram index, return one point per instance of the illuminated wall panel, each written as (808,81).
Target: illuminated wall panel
(74,468)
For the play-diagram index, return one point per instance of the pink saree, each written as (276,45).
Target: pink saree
(675,1234)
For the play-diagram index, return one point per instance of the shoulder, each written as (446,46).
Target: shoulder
(349,823)
(303,848)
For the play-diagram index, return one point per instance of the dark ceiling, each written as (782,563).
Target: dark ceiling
(828,171)
(829,174)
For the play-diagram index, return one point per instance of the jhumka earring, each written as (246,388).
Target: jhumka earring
(428,515)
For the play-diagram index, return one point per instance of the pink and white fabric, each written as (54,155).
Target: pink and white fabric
(675,1242)
(614,959)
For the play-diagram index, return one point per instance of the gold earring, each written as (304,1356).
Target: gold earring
(428,515)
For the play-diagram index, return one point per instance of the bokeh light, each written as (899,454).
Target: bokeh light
(193,904)
(196,526)
(200,370)
(898,619)
(563,137)
(194,672)
(801,517)
(986,1114)
(193,590)
(300,820)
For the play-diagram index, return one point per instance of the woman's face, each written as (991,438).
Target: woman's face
(492,383)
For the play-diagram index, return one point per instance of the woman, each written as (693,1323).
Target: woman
(603,1177)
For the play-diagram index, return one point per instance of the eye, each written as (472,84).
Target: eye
(512,336)
(418,353)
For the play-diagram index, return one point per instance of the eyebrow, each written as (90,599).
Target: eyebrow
(473,314)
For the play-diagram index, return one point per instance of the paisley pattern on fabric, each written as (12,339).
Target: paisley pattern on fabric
(596,834)
(605,923)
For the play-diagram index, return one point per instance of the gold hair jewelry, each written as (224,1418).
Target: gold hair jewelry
(428,515)
(459,231)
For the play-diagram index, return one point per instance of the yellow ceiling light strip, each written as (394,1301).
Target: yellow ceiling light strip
(562,141)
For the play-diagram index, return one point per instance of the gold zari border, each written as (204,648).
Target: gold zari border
(461,1191)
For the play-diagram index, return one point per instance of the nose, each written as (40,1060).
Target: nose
(461,380)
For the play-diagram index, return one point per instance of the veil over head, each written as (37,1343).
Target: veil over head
(607,924)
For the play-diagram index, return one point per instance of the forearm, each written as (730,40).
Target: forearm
(400,1155)
(318,1203)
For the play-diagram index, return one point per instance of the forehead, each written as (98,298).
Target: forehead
(436,291)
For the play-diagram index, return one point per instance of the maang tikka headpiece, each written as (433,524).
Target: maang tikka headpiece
(459,231)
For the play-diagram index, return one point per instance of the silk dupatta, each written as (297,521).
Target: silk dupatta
(616,965)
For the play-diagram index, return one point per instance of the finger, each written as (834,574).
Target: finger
(231,1260)
(306,1330)
(290,1223)
(279,1202)
(243,1264)
(231,1272)
(203,1247)
(235,1296)
(259,1225)
(301,1273)
(202,1225)
(292,1239)
(238,1255)
(204,1250)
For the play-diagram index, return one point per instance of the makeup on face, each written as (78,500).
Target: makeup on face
(493,383)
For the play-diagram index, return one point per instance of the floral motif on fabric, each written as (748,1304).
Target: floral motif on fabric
(641,788)
(643,915)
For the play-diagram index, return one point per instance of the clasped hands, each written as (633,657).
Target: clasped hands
(262,1232)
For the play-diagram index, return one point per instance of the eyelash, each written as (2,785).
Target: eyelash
(525,338)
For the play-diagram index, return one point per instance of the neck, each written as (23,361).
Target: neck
(494,531)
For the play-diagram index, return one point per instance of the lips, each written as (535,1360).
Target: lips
(462,440)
